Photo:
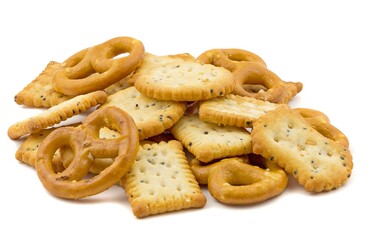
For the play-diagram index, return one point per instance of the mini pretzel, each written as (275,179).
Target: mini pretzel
(202,170)
(233,182)
(229,58)
(249,69)
(96,68)
(277,91)
(86,145)
(308,114)
(321,123)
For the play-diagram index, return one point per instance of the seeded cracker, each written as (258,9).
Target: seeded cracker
(317,162)
(161,181)
(234,110)
(56,114)
(151,116)
(209,141)
(187,81)
(27,151)
(40,92)
(151,61)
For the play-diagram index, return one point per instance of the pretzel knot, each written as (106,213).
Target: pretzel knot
(86,145)
(252,77)
(97,68)
(234,182)
(321,123)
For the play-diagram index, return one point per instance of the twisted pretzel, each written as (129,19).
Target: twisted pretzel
(202,170)
(249,69)
(233,182)
(86,145)
(321,123)
(96,68)
(229,58)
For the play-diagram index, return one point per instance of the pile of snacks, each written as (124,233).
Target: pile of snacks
(161,126)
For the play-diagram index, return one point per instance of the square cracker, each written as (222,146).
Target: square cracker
(27,152)
(317,162)
(150,115)
(40,92)
(161,181)
(209,141)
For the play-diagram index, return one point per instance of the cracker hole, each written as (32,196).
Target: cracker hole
(151,192)
(178,188)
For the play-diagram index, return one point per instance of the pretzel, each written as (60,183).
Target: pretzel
(321,123)
(86,145)
(229,58)
(96,68)
(202,170)
(233,182)
(308,114)
(249,69)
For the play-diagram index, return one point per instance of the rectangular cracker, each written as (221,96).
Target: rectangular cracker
(317,162)
(234,110)
(209,141)
(161,181)
(56,114)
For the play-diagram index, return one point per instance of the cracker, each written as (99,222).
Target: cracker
(151,61)
(56,114)
(234,110)
(40,92)
(151,116)
(317,162)
(161,181)
(27,152)
(120,85)
(209,141)
(187,81)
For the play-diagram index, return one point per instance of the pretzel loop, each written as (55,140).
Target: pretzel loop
(96,68)
(252,77)
(233,182)
(86,146)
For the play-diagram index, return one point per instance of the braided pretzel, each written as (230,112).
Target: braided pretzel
(233,182)
(249,69)
(86,145)
(96,68)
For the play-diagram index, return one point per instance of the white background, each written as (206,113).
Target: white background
(322,44)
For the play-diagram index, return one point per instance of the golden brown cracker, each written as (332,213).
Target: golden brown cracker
(317,162)
(186,81)
(56,114)
(151,61)
(234,110)
(161,181)
(151,116)
(27,151)
(209,141)
(40,92)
